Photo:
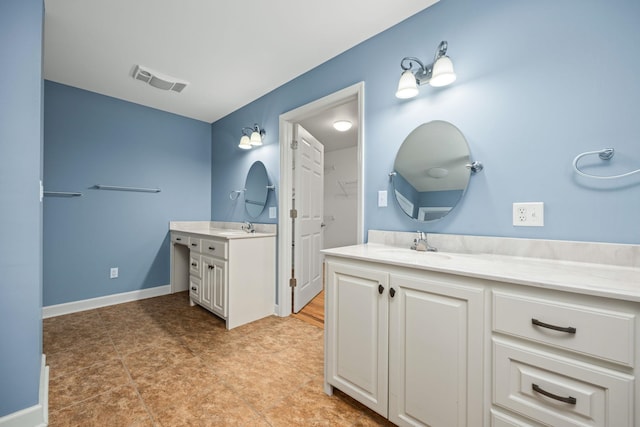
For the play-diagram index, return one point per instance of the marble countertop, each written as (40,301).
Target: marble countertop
(609,281)
(206,228)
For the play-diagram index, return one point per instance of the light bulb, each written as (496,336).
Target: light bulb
(256,139)
(443,73)
(407,86)
(245,143)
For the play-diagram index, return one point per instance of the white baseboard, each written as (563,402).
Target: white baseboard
(36,415)
(89,304)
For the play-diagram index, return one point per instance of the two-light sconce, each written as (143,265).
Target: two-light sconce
(438,73)
(251,137)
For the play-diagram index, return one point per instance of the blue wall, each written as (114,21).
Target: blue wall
(20,212)
(538,83)
(94,139)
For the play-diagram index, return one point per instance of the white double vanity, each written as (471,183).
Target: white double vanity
(486,331)
(227,270)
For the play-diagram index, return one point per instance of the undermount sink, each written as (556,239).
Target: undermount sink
(232,232)
(412,254)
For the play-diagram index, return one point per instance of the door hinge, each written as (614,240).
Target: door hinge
(294,144)
(293,213)
(293,282)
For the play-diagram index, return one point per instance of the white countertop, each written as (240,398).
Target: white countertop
(585,278)
(204,228)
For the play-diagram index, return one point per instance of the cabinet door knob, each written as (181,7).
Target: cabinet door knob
(193,264)
(211,267)
(194,244)
(193,288)
(178,239)
(570,400)
(568,329)
(392,292)
(380,289)
(212,248)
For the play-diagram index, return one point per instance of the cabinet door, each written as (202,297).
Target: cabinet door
(206,293)
(436,352)
(216,272)
(356,353)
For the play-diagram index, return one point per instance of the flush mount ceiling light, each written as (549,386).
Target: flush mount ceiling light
(438,73)
(251,137)
(342,125)
(437,173)
(158,80)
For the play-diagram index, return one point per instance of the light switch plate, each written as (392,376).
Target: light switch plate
(382,198)
(272,211)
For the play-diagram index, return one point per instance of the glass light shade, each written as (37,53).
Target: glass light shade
(256,139)
(342,125)
(245,143)
(443,73)
(407,86)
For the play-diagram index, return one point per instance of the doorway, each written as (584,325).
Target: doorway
(306,114)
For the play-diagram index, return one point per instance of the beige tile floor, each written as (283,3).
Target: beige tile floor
(160,362)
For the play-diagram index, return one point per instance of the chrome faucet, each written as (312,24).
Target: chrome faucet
(248,227)
(420,243)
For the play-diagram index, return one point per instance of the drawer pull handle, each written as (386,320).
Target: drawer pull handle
(193,264)
(193,288)
(178,239)
(570,400)
(380,289)
(194,244)
(569,329)
(211,248)
(211,267)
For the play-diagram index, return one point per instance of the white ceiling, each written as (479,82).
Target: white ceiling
(231,52)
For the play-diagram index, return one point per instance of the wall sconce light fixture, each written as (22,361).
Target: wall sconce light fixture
(251,137)
(438,73)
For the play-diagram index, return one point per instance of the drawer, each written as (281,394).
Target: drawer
(194,244)
(180,239)
(195,265)
(216,248)
(194,288)
(499,419)
(604,334)
(559,391)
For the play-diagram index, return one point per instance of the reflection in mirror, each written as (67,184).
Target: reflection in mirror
(431,172)
(256,189)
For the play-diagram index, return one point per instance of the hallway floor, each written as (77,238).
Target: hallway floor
(160,362)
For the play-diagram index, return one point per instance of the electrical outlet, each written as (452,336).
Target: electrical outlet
(528,214)
(113,273)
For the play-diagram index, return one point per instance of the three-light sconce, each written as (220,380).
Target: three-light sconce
(251,137)
(415,72)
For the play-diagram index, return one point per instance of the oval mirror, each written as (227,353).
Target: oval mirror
(256,189)
(431,172)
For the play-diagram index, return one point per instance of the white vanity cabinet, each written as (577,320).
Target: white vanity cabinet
(407,344)
(230,274)
(563,359)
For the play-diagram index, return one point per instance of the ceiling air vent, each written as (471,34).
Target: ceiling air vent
(158,80)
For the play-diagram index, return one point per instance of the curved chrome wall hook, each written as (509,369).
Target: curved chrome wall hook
(605,154)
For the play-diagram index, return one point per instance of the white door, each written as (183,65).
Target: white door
(308,196)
